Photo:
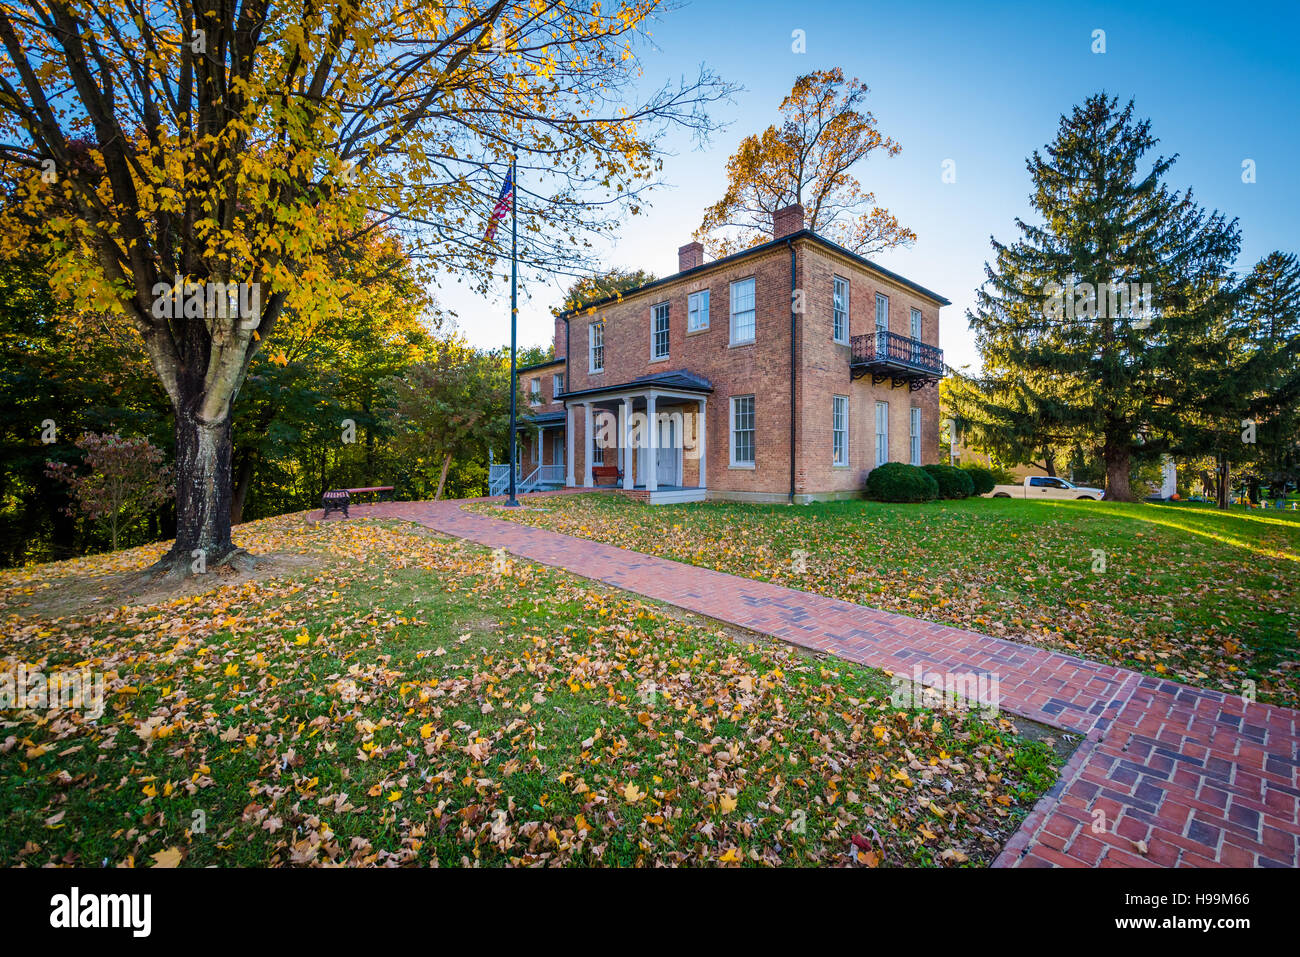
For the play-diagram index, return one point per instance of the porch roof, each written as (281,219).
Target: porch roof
(679,380)
(543,418)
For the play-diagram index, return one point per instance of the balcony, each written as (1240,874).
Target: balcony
(888,356)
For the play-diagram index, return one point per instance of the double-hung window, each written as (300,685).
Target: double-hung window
(596,346)
(659,331)
(916,324)
(697,311)
(535,391)
(882,312)
(742,311)
(840,310)
(882,433)
(916,436)
(840,430)
(557,384)
(742,430)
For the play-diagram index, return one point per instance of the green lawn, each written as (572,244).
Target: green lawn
(1209,598)
(392,697)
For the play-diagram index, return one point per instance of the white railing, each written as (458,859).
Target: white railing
(543,476)
(499,479)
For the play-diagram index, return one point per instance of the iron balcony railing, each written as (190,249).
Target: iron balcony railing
(888,349)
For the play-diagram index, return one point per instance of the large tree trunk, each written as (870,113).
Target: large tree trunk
(1117,468)
(1221,476)
(202,494)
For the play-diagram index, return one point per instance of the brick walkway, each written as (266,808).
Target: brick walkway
(1198,777)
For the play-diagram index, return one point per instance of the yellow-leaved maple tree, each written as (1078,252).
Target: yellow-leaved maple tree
(192,166)
(824,132)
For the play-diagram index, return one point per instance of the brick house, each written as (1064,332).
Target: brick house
(785,372)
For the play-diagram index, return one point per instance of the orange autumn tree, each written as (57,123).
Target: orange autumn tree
(824,132)
(192,166)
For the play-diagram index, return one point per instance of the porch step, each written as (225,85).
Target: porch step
(673,496)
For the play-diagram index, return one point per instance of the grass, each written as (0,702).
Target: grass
(1182,591)
(400,699)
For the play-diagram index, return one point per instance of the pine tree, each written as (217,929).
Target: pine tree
(1088,318)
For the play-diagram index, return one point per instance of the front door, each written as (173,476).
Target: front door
(669,453)
(557,450)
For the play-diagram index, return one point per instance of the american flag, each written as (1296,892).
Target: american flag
(502,207)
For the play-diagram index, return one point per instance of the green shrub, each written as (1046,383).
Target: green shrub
(953,482)
(982,479)
(896,482)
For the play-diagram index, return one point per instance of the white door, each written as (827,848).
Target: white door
(669,453)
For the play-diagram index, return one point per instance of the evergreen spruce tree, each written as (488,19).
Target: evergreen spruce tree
(1086,321)
(1271,307)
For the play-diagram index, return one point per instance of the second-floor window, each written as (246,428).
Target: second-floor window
(742,430)
(697,311)
(557,384)
(840,430)
(840,310)
(535,391)
(659,331)
(882,433)
(596,342)
(916,323)
(742,311)
(882,313)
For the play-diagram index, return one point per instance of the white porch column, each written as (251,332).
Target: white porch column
(652,445)
(629,452)
(701,442)
(568,447)
(586,449)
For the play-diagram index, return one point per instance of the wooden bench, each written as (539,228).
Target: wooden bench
(606,474)
(338,499)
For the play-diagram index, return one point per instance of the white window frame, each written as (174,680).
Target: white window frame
(697,311)
(916,435)
(657,312)
(752,430)
(839,430)
(840,310)
(596,346)
(882,314)
(916,324)
(882,433)
(557,384)
(535,390)
(752,311)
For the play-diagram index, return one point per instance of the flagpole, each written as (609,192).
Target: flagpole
(514,309)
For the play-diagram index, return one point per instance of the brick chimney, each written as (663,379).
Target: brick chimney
(690,256)
(786,221)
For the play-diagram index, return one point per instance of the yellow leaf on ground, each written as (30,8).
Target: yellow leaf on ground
(168,858)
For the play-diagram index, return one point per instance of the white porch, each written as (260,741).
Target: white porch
(647,438)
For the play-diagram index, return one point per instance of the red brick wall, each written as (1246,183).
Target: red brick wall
(547,376)
(825,372)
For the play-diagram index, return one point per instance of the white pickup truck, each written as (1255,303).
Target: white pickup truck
(1044,486)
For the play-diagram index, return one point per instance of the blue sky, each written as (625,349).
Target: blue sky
(983,85)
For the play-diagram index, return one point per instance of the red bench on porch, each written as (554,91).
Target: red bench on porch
(337,499)
(606,474)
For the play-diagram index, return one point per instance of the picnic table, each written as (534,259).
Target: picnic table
(338,499)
